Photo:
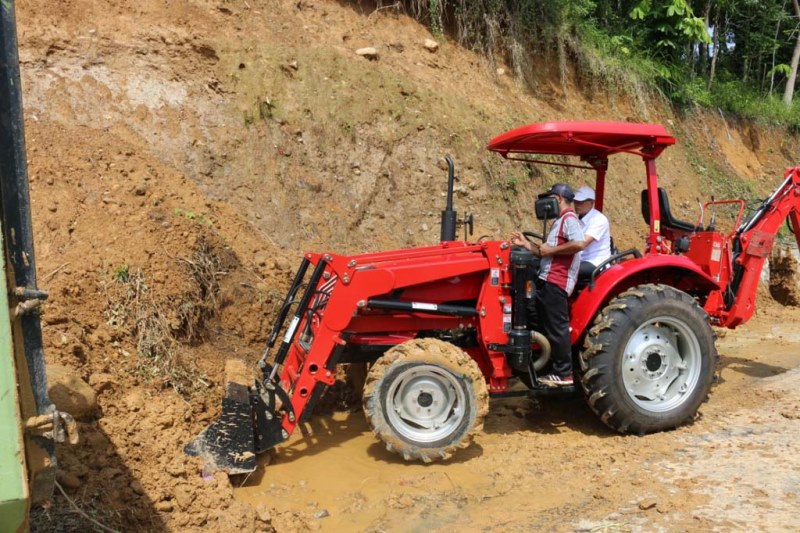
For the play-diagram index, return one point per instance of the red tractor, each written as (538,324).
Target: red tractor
(444,327)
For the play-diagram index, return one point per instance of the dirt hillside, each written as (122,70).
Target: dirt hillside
(182,156)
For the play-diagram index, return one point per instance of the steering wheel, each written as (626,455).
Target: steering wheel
(530,235)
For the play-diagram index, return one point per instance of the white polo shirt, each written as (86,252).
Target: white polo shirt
(595,225)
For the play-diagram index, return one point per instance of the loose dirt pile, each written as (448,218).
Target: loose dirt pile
(146,302)
(183,155)
(784,277)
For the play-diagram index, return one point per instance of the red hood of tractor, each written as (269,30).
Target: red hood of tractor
(584,139)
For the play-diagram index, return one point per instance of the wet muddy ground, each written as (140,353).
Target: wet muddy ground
(551,465)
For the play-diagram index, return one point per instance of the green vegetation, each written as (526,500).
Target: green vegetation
(735,55)
(121,273)
(188,214)
(160,327)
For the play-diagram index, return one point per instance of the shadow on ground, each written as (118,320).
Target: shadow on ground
(118,502)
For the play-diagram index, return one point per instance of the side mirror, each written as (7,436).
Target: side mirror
(547,208)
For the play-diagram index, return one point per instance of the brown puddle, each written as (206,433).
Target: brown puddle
(344,479)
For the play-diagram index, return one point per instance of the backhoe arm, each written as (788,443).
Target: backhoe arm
(756,238)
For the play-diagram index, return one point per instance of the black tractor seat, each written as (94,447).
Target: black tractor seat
(667,220)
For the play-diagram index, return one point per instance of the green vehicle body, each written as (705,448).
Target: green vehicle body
(29,422)
(14,493)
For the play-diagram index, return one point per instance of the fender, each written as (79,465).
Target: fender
(680,272)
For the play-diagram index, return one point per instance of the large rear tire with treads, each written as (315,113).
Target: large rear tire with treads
(649,360)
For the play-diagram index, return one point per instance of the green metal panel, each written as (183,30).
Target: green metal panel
(13,477)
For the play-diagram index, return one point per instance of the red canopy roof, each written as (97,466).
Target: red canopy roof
(585,139)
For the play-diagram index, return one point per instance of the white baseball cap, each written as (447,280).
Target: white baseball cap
(584,193)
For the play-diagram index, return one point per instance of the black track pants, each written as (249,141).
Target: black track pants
(550,315)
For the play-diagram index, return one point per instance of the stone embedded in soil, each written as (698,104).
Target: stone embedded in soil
(134,400)
(431,45)
(101,381)
(70,393)
(263,514)
(282,264)
(647,503)
(177,468)
(262,258)
(137,487)
(184,496)
(165,506)
(369,53)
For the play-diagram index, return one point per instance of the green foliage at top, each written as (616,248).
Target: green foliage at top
(670,25)
(735,55)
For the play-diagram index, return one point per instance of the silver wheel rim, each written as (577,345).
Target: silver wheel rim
(425,403)
(661,364)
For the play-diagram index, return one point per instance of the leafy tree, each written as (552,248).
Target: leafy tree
(731,54)
(669,26)
(788,92)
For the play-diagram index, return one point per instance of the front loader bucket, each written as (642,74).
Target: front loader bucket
(228,443)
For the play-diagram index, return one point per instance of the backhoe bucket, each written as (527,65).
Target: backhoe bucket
(229,443)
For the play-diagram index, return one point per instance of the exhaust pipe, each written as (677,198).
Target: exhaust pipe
(449,214)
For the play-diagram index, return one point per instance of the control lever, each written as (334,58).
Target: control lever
(702,213)
(712,225)
(469,226)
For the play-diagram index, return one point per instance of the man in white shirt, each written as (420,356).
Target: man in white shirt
(596,231)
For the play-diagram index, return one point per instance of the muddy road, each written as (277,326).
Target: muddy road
(550,465)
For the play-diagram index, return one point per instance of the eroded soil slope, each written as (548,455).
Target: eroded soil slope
(183,154)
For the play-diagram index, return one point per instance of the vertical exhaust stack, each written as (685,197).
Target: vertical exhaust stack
(449,214)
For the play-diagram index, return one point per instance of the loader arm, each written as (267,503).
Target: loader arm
(753,243)
(354,284)
(344,300)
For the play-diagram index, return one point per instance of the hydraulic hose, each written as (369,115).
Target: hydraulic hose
(544,357)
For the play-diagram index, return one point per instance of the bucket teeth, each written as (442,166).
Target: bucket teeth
(228,443)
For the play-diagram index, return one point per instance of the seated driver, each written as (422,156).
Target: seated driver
(557,276)
(596,246)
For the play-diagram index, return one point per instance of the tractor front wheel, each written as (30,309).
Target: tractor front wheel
(649,360)
(425,399)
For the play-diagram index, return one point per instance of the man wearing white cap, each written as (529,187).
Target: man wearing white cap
(597,243)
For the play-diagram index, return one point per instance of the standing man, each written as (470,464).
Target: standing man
(557,275)
(597,243)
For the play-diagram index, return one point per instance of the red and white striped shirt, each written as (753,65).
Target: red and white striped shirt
(562,270)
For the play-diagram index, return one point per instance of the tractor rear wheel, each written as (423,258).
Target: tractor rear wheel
(649,360)
(425,399)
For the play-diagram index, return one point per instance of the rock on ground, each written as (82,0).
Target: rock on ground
(70,393)
(369,52)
